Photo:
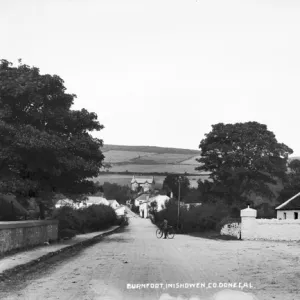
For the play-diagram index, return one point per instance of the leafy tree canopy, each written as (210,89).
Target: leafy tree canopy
(171,184)
(114,191)
(242,158)
(46,147)
(292,181)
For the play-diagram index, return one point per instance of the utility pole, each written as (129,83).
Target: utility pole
(178,202)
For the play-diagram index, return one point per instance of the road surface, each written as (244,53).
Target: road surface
(136,256)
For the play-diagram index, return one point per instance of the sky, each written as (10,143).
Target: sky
(161,72)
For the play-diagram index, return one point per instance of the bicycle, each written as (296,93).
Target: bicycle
(170,233)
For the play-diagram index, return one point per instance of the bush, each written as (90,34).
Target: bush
(92,218)
(200,218)
(66,233)
(122,221)
(227,220)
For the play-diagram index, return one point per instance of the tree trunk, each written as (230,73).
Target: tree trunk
(42,211)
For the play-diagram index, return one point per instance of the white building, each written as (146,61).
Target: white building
(147,183)
(144,209)
(290,209)
(161,201)
(114,204)
(95,200)
(120,211)
(141,199)
(91,200)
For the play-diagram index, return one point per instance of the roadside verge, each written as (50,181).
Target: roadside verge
(23,260)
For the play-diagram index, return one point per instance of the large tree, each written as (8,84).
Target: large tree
(45,147)
(114,191)
(242,158)
(171,184)
(292,181)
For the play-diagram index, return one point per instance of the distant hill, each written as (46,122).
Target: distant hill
(294,157)
(150,159)
(150,149)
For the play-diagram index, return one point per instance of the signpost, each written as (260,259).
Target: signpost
(178,202)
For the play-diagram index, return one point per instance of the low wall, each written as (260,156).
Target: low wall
(270,229)
(22,234)
(232,229)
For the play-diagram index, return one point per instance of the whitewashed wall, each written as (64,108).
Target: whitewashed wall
(270,229)
(232,229)
(289,214)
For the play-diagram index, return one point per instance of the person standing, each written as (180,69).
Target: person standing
(165,228)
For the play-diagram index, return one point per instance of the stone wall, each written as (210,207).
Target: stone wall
(232,229)
(268,229)
(22,234)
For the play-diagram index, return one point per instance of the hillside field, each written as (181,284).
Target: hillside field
(155,168)
(149,159)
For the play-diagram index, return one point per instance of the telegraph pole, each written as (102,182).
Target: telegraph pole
(178,202)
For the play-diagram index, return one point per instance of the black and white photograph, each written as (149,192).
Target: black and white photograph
(149,150)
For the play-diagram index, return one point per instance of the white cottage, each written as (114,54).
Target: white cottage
(114,204)
(141,199)
(120,211)
(91,200)
(290,209)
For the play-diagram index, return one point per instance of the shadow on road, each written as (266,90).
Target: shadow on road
(213,236)
(20,279)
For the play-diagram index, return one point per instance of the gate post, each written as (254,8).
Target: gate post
(248,223)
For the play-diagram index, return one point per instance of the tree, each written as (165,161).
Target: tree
(242,158)
(46,147)
(153,207)
(193,196)
(171,184)
(113,191)
(292,181)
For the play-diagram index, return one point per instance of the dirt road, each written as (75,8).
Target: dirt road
(136,256)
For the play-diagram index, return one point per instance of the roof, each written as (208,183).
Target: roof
(96,200)
(292,203)
(120,207)
(143,197)
(159,198)
(142,179)
(112,201)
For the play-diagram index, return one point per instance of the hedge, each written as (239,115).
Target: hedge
(77,221)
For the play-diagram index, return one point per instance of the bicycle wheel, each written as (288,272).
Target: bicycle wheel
(159,233)
(171,233)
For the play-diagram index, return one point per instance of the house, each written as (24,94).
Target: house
(95,200)
(161,201)
(144,209)
(290,209)
(146,183)
(120,211)
(141,199)
(114,204)
(66,202)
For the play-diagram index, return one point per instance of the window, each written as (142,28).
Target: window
(284,215)
(295,215)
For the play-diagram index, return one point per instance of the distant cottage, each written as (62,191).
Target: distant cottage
(146,183)
(290,209)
